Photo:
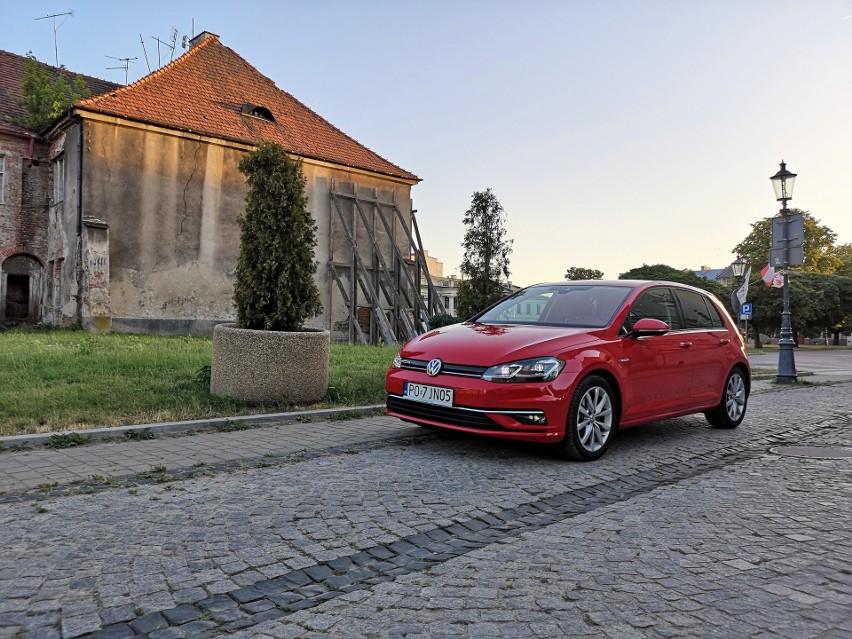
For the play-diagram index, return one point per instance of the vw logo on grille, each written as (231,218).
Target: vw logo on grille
(434,367)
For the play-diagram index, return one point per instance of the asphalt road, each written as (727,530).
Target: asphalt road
(378,529)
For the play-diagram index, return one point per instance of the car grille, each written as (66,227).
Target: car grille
(452,416)
(447,369)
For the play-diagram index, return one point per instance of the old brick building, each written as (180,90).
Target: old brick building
(25,196)
(142,228)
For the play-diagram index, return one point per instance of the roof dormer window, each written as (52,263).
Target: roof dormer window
(257,111)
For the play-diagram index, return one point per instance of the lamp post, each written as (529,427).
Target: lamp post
(783,182)
(738,270)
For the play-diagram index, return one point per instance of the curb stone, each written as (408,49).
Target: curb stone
(12,442)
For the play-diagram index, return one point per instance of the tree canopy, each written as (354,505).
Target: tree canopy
(582,273)
(485,267)
(44,95)
(670,274)
(275,288)
(818,302)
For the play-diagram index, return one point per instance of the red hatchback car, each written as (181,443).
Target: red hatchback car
(570,363)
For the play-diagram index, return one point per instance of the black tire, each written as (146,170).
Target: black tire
(732,407)
(592,420)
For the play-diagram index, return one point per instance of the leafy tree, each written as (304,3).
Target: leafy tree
(817,302)
(275,288)
(485,266)
(819,249)
(46,95)
(843,252)
(581,273)
(670,274)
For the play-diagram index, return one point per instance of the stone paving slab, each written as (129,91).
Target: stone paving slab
(31,468)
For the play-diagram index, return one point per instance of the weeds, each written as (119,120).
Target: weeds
(144,433)
(229,426)
(66,440)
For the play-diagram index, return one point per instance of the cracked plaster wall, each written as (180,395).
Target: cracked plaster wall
(171,203)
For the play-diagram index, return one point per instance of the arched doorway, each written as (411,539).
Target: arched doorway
(21,289)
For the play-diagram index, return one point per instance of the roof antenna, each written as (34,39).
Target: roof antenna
(55,42)
(124,66)
(145,51)
(174,44)
(165,44)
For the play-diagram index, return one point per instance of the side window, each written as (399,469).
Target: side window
(657,303)
(697,312)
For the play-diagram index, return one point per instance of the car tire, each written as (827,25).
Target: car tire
(732,408)
(592,420)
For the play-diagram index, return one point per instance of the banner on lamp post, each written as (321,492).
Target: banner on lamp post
(742,291)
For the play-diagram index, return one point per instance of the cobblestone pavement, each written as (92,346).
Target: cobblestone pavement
(679,531)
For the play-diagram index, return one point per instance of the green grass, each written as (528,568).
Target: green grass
(64,380)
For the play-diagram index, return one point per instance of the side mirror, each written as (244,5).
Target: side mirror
(648,326)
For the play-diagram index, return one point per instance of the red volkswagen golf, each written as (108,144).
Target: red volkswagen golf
(570,363)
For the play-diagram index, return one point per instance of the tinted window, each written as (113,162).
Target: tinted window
(589,306)
(657,303)
(698,312)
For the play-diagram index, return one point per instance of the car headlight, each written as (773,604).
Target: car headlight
(538,369)
(397,361)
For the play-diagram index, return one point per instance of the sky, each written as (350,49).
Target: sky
(615,133)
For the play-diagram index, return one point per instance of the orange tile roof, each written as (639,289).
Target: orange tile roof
(204,91)
(11,72)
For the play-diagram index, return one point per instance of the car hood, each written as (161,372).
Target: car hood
(477,344)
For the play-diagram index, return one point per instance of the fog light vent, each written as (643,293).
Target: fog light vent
(533,418)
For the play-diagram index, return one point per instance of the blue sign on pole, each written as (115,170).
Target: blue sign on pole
(746,309)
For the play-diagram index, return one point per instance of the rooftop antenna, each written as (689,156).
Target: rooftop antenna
(174,44)
(145,51)
(124,66)
(53,18)
(165,44)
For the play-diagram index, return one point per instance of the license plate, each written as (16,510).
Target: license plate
(428,394)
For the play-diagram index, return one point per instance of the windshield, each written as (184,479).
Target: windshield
(590,306)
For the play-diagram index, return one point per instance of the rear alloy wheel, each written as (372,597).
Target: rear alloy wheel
(731,410)
(592,420)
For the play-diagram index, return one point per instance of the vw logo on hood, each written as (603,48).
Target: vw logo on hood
(434,367)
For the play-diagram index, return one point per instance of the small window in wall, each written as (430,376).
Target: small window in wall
(2,179)
(59,179)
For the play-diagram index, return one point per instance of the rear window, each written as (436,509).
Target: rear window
(698,311)
(589,306)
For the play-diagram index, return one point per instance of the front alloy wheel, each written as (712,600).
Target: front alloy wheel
(731,410)
(592,420)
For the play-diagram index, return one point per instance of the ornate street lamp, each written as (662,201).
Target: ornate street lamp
(738,268)
(783,182)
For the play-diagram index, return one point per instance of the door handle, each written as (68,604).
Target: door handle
(685,344)
(724,342)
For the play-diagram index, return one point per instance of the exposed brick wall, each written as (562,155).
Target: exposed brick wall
(23,214)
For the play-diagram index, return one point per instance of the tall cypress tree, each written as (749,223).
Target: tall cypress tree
(485,267)
(275,288)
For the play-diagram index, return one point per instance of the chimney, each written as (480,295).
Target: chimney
(201,37)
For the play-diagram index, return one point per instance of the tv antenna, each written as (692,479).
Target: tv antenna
(53,18)
(169,45)
(145,51)
(126,65)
